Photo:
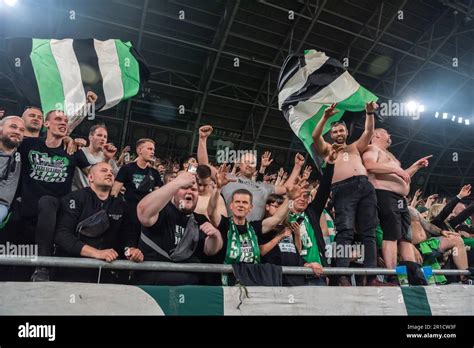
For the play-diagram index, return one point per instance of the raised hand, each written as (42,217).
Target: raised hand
(422,162)
(91,97)
(221,176)
(299,160)
(370,107)
(205,131)
(330,111)
(465,191)
(266,161)
(307,172)
(299,186)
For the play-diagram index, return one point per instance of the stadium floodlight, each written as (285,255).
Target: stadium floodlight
(10,3)
(460,120)
(445,115)
(437,114)
(467,122)
(453,118)
(412,106)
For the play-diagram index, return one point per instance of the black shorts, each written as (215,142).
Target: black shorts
(393,215)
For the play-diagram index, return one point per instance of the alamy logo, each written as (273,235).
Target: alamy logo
(409,109)
(235,156)
(37,331)
(349,251)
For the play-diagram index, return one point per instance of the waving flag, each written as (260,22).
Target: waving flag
(57,74)
(307,85)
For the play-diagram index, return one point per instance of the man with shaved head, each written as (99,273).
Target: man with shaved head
(92,223)
(392,185)
(12,130)
(33,118)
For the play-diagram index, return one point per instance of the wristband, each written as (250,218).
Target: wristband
(370,113)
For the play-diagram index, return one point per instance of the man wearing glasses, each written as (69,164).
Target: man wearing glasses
(352,193)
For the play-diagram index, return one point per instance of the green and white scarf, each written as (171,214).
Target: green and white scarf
(241,247)
(309,250)
(331,229)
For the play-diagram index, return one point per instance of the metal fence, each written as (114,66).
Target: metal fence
(189,267)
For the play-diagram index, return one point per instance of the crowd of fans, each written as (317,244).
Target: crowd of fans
(81,198)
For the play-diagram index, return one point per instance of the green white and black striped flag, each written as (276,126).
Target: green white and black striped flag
(57,74)
(307,85)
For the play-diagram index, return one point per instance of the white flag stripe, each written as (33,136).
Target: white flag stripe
(301,112)
(338,90)
(111,74)
(68,66)
(314,61)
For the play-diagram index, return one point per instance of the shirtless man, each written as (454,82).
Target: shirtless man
(205,190)
(392,184)
(352,193)
(423,230)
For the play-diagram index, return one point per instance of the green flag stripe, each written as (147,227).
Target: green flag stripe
(47,75)
(188,299)
(129,68)
(355,102)
(416,301)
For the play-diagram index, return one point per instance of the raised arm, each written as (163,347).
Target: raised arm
(421,163)
(299,162)
(292,192)
(322,147)
(324,189)
(212,208)
(149,208)
(368,133)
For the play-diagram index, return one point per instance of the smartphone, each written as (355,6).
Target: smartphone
(192,169)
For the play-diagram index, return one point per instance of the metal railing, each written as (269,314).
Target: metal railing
(73,262)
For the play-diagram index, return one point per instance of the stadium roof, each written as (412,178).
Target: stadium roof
(220,61)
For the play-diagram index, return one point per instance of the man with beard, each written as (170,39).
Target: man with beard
(92,223)
(392,184)
(352,193)
(173,232)
(12,129)
(97,151)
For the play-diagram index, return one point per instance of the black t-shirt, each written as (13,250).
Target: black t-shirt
(242,229)
(284,254)
(168,231)
(131,175)
(45,171)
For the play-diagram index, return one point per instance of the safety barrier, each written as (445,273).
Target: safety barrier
(189,267)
